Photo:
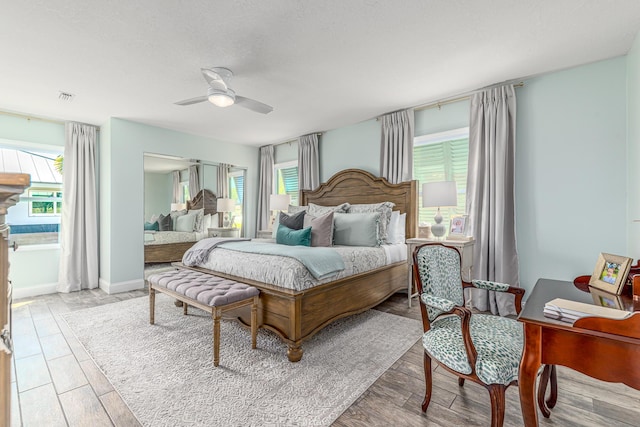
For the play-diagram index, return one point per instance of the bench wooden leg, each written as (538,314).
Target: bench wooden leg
(217,313)
(185,306)
(152,304)
(254,322)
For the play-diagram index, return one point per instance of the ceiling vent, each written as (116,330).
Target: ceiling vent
(66,96)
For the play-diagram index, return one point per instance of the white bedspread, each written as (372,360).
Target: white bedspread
(291,274)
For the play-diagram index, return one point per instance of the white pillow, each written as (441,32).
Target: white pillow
(185,222)
(401,229)
(174,216)
(392,230)
(206,223)
(199,213)
(154,218)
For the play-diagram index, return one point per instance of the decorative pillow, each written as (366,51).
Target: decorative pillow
(321,210)
(199,213)
(397,225)
(385,209)
(294,222)
(175,215)
(359,229)
(321,229)
(287,236)
(295,209)
(186,222)
(152,226)
(164,223)
(154,218)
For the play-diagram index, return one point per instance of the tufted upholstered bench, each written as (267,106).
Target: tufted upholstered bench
(210,293)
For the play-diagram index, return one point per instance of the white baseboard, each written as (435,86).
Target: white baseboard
(114,288)
(32,291)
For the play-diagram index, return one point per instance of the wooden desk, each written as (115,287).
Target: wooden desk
(604,349)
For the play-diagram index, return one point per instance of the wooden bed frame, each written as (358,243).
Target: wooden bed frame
(172,252)
(297,315)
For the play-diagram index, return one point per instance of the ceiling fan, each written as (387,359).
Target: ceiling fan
(220,94)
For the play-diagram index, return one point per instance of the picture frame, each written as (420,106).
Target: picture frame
(458,227)
(606,299)
(610,273)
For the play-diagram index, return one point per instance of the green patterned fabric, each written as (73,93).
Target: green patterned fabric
(441,304)
(439,268)
(490,286)
(498,341)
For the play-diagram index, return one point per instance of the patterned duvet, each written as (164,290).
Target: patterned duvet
(289,273)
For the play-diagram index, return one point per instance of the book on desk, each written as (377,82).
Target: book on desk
(570,311)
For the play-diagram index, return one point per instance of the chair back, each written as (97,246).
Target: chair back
(438,274)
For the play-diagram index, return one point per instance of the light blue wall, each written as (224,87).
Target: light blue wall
(571,188)
(633,152)
(158,194)
(355,146)
(122,206)
(447,117)
(286,152)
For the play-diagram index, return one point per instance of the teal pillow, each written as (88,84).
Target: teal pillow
(356,229)
(151,226)
(287,236)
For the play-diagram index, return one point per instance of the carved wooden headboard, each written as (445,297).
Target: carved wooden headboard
(358,186)
(204,199)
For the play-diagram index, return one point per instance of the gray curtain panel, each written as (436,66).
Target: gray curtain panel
(79,222)
(194,180)
(223,180)
(396,147)
(177,197)
(490,195)
(265,186)
(308,162)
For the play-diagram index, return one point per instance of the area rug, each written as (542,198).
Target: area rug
(165,374)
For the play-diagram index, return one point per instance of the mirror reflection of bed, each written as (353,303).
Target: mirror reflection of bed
(186,191)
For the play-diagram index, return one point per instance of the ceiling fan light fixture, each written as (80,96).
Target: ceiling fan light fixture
(221,98)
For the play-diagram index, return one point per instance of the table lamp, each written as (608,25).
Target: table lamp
(226,206)
(279,202)
(439,194)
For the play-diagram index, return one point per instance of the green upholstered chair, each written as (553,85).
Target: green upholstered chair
(482,348)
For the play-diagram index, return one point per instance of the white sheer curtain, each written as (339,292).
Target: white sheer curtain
(490,195)
(308,162)
(177,196)
(194,180)
(79,221)
(265,187)
(396,147)
(223,180)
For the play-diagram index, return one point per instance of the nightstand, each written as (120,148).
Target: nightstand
(465,247)
(264,234)
(224,232)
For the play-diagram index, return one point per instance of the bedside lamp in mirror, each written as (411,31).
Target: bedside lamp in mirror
(440,194)
(226,206)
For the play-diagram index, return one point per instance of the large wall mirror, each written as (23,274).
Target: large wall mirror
(201,198)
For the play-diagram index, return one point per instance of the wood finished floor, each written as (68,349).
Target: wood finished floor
(55,383)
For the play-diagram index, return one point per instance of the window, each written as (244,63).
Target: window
(286,180)
(184,191)
(442,157)
(45,202)
(236,192)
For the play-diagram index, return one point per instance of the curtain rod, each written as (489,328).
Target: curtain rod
(452,100)
(296,140)
(42,119)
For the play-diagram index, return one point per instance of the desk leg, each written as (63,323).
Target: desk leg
(528,373)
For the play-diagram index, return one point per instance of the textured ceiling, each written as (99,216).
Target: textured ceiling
(320,64)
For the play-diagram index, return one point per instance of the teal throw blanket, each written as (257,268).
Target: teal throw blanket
(321,262)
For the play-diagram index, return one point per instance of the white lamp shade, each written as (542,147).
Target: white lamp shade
(279,202)
(226,205)
(439,194)
(178,206)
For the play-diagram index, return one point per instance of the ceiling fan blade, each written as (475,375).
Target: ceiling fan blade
(215,78)
(192,100)
(253,105)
